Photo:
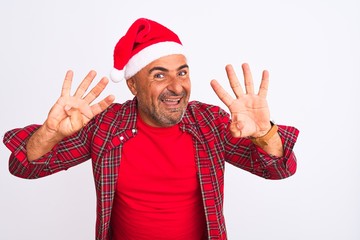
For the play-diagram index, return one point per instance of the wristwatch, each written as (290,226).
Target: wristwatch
(264,140)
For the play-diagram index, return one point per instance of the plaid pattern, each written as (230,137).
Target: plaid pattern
(103,138)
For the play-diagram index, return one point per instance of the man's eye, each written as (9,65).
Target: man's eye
(183,73)
(159,76)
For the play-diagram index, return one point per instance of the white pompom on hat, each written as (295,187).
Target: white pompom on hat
(144,42)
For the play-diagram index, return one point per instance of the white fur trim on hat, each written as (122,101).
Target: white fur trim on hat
(150,54)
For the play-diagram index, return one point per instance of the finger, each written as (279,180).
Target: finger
(234,81)
(75,117)
(84,85)
(97,90)
(249,85)
(235,131)
(66,87)
(102,105)
(221,93)
(264,84)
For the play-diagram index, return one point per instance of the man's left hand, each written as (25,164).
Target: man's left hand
(249,111)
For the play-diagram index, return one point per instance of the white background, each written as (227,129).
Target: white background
(311,48)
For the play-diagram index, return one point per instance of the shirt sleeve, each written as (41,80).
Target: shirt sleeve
(69,152)
(246,155)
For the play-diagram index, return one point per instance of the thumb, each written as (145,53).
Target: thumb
(235,130)
(75,118)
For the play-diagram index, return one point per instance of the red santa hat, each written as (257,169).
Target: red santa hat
(144,42)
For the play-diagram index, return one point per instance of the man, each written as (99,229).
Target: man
(158,160)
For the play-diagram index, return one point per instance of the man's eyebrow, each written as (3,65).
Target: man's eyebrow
(159,69)
(183,66)
(167,70)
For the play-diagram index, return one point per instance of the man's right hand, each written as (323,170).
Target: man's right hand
(69,114)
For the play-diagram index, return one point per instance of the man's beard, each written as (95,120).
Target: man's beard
(166,117)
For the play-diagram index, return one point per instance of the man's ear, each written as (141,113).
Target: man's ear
(131,83)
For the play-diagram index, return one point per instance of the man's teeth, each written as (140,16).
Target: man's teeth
(171,100)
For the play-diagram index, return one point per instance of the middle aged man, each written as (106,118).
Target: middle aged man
(158,160)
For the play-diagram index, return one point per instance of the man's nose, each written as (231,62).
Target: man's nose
(175,85)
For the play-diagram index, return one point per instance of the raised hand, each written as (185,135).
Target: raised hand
(68,115)
(249,111)
(71,113)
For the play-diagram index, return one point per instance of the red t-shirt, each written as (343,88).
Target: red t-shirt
(158,194)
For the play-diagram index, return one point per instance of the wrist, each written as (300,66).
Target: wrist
(41,142)
(49,134)
(264,139)
(263,132)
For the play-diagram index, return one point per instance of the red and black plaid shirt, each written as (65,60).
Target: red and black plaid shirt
(103,138)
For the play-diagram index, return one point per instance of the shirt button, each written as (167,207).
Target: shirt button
(133,130)
(121,138)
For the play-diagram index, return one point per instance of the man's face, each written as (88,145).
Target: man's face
(163,90)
